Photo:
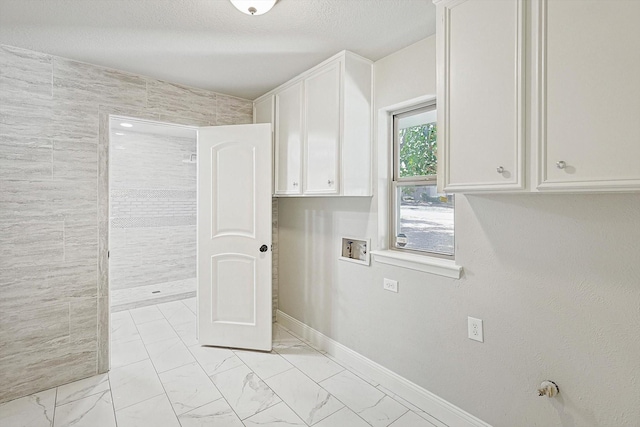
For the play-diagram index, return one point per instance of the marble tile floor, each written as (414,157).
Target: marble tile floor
(141,296)
(161,377)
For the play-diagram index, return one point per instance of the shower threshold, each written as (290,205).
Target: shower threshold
(141,296)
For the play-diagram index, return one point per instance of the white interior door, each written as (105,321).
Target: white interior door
(234,236)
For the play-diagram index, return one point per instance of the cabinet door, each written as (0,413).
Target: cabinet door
(481,94)
(263,113)
(589,115)
(288,133)
(322,136)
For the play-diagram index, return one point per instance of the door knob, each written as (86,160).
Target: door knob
(264,248)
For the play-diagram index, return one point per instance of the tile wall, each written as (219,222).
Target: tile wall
(152,187)
(53,206)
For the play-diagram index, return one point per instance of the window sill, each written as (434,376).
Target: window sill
(424,263)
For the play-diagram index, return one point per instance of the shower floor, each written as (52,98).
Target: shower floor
(141,296)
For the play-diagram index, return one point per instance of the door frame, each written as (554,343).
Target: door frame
(105,114)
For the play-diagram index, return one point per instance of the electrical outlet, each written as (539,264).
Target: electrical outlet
(390,285)
(475,329)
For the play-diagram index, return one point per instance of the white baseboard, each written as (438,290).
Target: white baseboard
(439,408)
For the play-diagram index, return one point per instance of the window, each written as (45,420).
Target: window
(421,219)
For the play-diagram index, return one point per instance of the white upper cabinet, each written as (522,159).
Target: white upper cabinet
(288,140)
(322,125)
(481,94)
(588,115)
(539,95)
(322,119)
(263,112)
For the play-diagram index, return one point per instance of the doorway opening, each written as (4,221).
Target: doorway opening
(152,212)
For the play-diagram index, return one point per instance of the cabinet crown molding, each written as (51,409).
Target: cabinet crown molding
(303,75)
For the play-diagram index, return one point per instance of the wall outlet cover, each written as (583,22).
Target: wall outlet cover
(475,329)
(390,285)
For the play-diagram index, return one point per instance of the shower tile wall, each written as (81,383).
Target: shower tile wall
(52,163)
(152,238)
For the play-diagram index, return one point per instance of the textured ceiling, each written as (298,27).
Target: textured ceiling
(208,43)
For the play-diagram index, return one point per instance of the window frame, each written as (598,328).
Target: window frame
(396,116)
(397,181)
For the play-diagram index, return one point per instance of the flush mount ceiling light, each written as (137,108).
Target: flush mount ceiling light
(253,7)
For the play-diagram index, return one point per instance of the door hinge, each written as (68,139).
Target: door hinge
(108,254)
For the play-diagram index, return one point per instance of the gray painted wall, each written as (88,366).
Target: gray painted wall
(52,111)
(556,279)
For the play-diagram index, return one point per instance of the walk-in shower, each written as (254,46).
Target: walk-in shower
(152,213)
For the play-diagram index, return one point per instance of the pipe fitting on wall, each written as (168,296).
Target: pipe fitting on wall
(548,388)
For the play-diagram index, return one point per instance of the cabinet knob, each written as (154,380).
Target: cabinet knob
(295,184)
(500,169)
(329,182)
(561,164)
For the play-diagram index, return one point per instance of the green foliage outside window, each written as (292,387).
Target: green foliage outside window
(418,150)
